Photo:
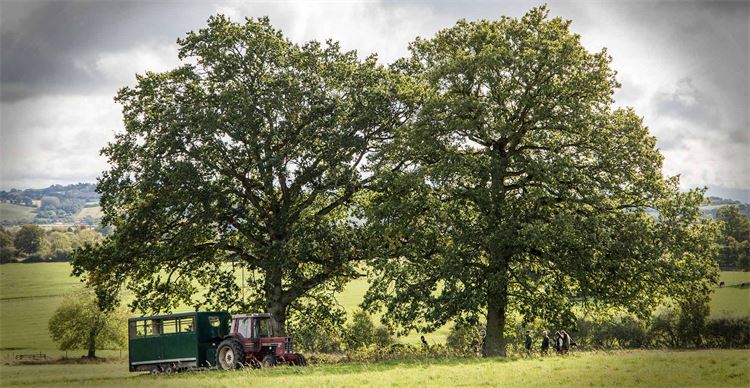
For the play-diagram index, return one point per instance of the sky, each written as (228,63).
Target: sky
(683,66)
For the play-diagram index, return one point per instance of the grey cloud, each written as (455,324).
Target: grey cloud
(48,46)
(49,52)
(689,104)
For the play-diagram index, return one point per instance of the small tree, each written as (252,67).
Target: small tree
(694,312)
(736,233)
(80,324)
(360,333)
(29,239)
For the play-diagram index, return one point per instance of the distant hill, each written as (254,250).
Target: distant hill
(79,203)
(51,205)
(714,203)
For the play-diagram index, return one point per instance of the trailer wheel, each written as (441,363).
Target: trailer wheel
(268,361)
(300,360)
(229,355)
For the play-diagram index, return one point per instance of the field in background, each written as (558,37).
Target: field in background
(619,368)
(94,212)
(29,294)
(10,213)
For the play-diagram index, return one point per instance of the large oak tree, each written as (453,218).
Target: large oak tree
(526,192)
(251,155)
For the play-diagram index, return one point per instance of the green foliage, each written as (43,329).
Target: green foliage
(314,337)
(664,330)
(383,337)
(362,333)
(526,192)
(54,245)
(465,338)
(7,250)
(728,332)
(29,239)
(317,327)
(735,223)
(254,155)
(735,252)
(6,238)
(79,324)
(692,319)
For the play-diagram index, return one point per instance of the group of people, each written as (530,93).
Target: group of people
(562,343)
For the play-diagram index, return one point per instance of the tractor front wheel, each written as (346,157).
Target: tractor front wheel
(229,355)
(268,361)
(300,360)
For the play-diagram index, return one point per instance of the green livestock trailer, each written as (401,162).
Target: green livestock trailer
(168,343)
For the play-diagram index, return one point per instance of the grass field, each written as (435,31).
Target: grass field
(706,368)
(29,294)
(15,214)
(95,212)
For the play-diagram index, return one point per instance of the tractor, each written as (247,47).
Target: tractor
(252,341)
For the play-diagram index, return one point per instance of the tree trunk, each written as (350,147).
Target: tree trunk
(497,303)
(494,342)
(278,314)
(499,257)
(92,344)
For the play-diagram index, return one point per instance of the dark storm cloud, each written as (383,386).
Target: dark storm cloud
(46,46)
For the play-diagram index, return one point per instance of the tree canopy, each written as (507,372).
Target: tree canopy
(735,239)
(79,323)
(527,191)
(252,155)
(29,239)
(487,174)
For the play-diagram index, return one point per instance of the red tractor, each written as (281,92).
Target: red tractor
(252,341)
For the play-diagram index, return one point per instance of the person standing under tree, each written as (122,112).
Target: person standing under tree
(558,342)
(545,342)
(566,341)
(425,345)
(527,342)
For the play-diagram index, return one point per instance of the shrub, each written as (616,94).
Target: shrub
(692,320)
(316,338)
(728,332)
(466,338)
(383,337)
(8,254)
(360,332)
(663,329)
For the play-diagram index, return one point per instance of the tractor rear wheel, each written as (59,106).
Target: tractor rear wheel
(230,355)
(268,361)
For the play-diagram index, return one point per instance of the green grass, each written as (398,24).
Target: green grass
(29,294)
(714,368)
(16,214)
(730,300)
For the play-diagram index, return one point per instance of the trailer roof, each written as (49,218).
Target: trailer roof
(255,315)
(178,315)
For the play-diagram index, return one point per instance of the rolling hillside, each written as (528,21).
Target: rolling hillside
(11,214)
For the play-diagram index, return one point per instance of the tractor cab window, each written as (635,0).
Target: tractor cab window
(262,327)
(243,327)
